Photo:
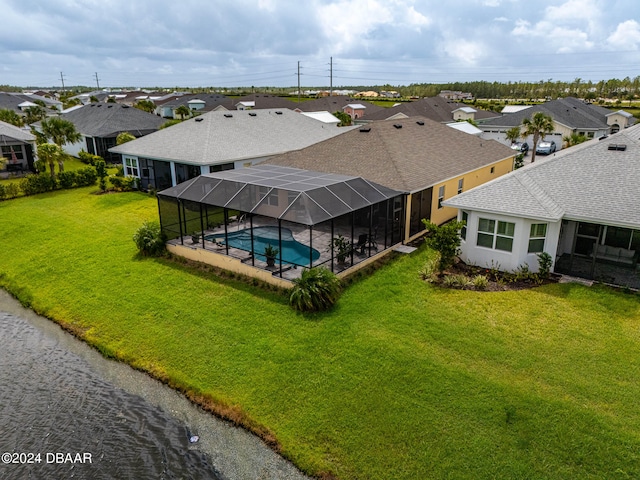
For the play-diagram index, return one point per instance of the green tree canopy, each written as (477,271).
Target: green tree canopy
(10,116)
(145,106)
(538,126)
(124,137)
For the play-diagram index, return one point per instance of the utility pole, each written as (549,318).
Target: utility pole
(62,79)
(298,81)
(330,76)
(97,81)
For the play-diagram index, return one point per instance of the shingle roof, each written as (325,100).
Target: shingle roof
(109,119)
(335,104)
(11,101)
(438,109)
(572,112)
(221,137)
(587,182)
(415,156)
(11,134)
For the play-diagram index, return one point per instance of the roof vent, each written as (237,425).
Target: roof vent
(420,122)
(228,115)
(278,112)
(125,106)
(603,137)
(397,125)
(199,119)
(618,146)
(252,114)
(365,129)
(109,106)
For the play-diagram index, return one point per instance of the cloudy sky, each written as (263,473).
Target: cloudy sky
(228,43)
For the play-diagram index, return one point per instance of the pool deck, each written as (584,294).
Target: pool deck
(321,241)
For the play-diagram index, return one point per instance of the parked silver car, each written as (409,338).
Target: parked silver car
(546,148)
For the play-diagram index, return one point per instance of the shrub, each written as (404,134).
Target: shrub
(430,268)
(150,240)
(445,239)
(101,172)
(124,184)
(86,177)
(67,179)
(458,280)
(12,189)
(40,183)
(316,290)
(89,158)
(3,192)
(544,264)
(480,282)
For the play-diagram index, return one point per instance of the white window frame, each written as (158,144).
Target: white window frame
(440,195)
(460,185)
(499,231)
(131,167)
(535,235)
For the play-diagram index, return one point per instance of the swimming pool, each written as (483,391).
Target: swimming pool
(293,252)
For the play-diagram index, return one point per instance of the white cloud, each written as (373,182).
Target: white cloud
(626,36)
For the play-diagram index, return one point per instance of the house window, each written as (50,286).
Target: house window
(537,236)
(493,169)
(11,152)
(590,134)
(460,185)
(221,167)
(463,230)
(440,196)
(131,167)
(497,235)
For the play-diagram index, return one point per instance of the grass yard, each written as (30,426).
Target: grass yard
(401,380)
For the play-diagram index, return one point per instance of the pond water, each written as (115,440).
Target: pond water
(66,412)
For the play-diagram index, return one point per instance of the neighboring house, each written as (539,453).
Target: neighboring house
(437,109)
(197,103)
(18,147)
(324,117)
(264,101)
(465,127)
(570,115)
(216,141)
(19,102)
(334,104)
(581,206)
(354,110)
(455,95)
(427,161)
(100,123)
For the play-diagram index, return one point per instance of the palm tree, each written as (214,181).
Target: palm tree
(513,134)
(61,131)
(145,105)
(182,111)
(34,114)
(574,139)
(49,154)
(10,116)
(538,126)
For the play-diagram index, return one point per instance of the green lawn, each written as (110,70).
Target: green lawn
(401,380)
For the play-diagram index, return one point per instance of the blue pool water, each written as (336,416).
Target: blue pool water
(293,252)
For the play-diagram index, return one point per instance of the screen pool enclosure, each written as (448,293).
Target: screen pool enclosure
(281,218)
